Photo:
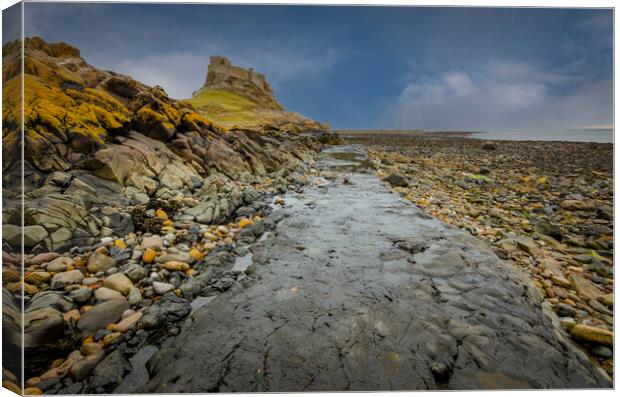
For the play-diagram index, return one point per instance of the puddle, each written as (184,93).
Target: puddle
(347,161)
(199,302)
(242,263)
(139,376)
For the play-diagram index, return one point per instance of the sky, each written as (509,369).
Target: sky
(476,69)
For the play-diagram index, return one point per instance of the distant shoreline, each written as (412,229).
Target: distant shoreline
(586,135)
(413,133)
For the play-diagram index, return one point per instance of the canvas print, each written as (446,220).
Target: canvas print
(204,198)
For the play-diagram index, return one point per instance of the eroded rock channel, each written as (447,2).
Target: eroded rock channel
(357,289)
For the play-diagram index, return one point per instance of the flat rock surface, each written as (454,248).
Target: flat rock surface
(357,289)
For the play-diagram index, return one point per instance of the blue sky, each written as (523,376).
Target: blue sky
(365,67)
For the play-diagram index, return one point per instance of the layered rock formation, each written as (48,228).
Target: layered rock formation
(126,194)
(97,141)
(242,98)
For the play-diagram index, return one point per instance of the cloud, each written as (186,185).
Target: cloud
(502,95)
(183,72)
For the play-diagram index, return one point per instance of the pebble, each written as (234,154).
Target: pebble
(106,294)
(63,279)
(176,266)
(592,334)
(602,351)
(90,281)
(134,297)
(119,282)
(84,367)
(149,255)
(564,310)
(162,288)
(98,262)
(102,314)
(127,323)
(59,264)
(154,242)
(37,277)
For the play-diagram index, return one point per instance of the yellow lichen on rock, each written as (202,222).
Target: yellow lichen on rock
(149,255)
(245,222)
(195,253)
(161,214)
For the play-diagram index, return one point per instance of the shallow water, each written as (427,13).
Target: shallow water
(599,136)
(357,289)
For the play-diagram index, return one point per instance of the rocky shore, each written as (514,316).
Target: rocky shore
(544,206)
(134,204)
(89,310)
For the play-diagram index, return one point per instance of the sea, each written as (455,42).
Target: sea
(602,135)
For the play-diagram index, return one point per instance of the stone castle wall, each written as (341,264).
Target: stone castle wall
(220,70)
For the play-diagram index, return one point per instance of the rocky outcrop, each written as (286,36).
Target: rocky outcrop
(125,190)
(221,74)
(97,142)
(241,98)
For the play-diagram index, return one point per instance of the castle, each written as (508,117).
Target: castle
(221,71)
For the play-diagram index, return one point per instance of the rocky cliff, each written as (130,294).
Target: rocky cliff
(242,98)
(97,143)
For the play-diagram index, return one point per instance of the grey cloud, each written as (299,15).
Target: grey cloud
(501,96)
(181,73)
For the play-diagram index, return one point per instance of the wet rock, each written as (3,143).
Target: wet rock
(99,335)
(90,281)
(592,334)
(37,278)
(119,282)
(135,273)
(64,279)
(106,294)
(32,235)
(599,307)
(602,351)
(53,299)
(42,258)
(100,263)
(564,310)
(489,146)
(102,314)
(169,309)
(81,295)
(162,288)
(127,323)
(82,368)
(155,242)
(59,264)
(134,297)
(549,229)
(42,326)
(7,384)
(176,266)
(110,372)
(149,255)
(577,205)
(176,257)
(584,287)
(397,180)
(195,285)
(10,275)
(607,299)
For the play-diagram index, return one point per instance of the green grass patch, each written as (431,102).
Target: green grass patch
(225,108)
(214,101)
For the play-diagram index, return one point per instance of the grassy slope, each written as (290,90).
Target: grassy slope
(225,107)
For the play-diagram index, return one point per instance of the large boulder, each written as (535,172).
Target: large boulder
(103,314)
(42,326)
